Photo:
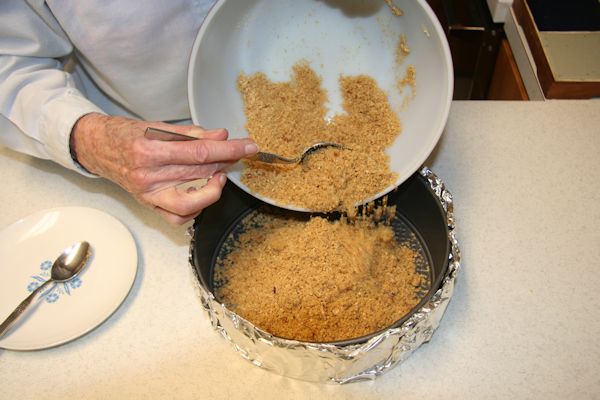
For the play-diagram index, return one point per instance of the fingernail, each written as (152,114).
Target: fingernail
(223,179)
(250,149)
(196,132)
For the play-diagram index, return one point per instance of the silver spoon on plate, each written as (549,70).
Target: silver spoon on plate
(66,267)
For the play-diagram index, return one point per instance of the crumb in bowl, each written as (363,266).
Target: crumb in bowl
(402,50)
(409,79)
(285,118)
(394,8)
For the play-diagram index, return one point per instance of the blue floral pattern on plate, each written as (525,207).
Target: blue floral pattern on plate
(52,294)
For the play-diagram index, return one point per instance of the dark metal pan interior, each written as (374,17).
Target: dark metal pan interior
(421,222)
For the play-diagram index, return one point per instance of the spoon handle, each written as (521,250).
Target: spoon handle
(271,158)
(12,318)
(168,136)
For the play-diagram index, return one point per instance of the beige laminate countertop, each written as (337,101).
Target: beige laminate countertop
(524,321)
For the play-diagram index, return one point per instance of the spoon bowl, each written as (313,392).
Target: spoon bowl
(66,267)
(70,263)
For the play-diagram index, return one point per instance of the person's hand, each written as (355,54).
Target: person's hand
(154,171)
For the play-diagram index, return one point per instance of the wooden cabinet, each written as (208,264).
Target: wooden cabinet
(484,65)
(564,40)
(506,83)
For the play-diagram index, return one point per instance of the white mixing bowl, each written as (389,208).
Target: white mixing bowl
(348,37)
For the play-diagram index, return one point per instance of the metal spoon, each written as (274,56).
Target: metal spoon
(269,158)
(66,267)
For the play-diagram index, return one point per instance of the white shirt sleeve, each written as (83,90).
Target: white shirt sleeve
(36,94)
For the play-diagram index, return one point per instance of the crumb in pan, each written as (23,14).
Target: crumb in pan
(318,280)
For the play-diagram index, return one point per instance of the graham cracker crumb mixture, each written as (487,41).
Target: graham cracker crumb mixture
(285,118)
(410,75)
(402,50)
(409,79)
(394,8)
(317,280)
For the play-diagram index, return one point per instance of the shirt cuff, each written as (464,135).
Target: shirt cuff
(59,117)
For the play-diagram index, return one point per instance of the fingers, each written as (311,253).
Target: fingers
(158,168)
(203,151)
(214,147)
(213,134)
(179,205)
(174,219)
(156,178)
(195,131)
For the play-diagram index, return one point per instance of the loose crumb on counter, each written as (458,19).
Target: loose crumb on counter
(317,280)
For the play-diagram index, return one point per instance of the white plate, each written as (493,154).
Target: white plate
(27,249)
(336,37)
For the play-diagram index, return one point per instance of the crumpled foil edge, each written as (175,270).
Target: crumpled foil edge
(330,363)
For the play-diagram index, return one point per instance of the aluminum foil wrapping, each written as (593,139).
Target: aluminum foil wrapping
(330,363)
